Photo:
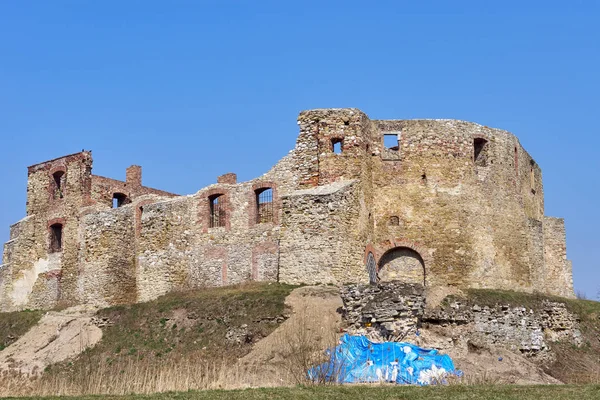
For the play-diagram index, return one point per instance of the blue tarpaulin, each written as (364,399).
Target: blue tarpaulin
(358,360)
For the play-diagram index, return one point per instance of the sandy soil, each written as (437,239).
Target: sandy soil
(312,327)
(481,363)
(58,336)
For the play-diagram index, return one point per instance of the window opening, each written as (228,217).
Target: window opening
(480,152)
(336,145)
(390,142)
(56,238)
(119,199)
(217,211)
(58,184)
(424,178)
(264,205)
(532,176)
(394,221)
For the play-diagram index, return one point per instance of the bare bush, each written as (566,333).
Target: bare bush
(304,348)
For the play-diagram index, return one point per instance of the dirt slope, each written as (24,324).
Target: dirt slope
(313,326)
(59,335)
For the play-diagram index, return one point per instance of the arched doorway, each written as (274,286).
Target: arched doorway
(402,264)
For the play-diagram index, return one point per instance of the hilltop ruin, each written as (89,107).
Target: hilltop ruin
(433,202)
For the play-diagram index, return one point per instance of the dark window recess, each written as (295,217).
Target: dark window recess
(119,199)
(394,221)
(217,211)
(264,205)
(480,152)
(532,176)
(58,184)
(336,146)
(56,238)
(390,142)
(424,178)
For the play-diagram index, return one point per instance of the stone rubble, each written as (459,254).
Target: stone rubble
(395,311)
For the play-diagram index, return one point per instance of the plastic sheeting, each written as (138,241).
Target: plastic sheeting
(358,360)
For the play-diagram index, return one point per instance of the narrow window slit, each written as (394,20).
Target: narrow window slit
(56,238)
(58,184)
(480,152)
(336,146)
(532,176)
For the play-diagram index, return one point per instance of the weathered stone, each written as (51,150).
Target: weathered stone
(379,312)
(454,203)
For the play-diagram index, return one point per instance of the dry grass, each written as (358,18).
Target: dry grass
(124,377)
(299,345)
(380,392)
(304,348)
(15,324)
(176,342)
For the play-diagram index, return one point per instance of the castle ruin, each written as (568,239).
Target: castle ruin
(434,202)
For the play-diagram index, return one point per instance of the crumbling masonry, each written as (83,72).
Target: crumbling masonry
(445,203)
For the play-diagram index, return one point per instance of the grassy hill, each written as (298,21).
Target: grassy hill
(194,339)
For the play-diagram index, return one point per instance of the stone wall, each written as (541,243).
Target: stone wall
(453,203)
(559,277)
(521,329)
(395,311)
(107,273)
(313,222)
(466,217)
(389,311)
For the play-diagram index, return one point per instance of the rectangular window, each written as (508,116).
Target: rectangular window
(56,238)
(336,146)
(480,152)
(390,141)
(217,211)
(58,184)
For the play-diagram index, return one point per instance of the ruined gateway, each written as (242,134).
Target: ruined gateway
(447,203)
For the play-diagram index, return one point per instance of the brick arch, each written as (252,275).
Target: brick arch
(58,168)
(389,244)
(252,201)
(381,248)
(204,209)
(52,185)
(53,221)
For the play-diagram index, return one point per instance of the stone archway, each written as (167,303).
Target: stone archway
(402,264)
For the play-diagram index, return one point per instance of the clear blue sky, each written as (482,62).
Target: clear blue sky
(193,89)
